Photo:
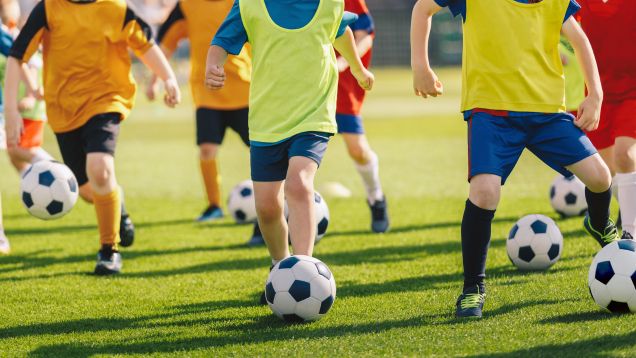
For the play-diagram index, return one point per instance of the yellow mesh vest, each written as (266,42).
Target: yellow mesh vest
(294,78)
(511,58)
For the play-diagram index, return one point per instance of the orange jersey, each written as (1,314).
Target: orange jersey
(86,60)
(198,21)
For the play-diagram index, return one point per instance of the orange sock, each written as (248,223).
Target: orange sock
(108,210)
(212,181)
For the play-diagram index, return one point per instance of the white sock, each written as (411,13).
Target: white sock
(41,154)
(370,174)
(626,183)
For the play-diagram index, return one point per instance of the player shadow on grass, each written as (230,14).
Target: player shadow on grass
(373,255)
(598,346)
(261,329)
(416,227)
(579,317)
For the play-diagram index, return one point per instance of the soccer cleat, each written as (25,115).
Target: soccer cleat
(470,303)
(126,231)
(257,237)
(5,248)
(108,262)
(627,236)
(609,235)
(379,216)
(212,213)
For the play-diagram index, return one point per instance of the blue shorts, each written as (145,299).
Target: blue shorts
(349,123)
(269,162)
(495,143)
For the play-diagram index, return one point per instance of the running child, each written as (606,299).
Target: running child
(217,111)
(512,99)
(350,100)
(292,104)
(611,29)
(89,90)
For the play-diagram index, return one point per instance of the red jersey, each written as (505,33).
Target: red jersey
(350,95)
(611,28)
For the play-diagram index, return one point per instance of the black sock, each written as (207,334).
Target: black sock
(476,226)
(598,208)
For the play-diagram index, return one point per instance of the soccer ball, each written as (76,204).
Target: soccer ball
(321,210)
(300,289)
(49,190)
(241,203)
(612,277)
(322,216)
(534,243)
(567,196)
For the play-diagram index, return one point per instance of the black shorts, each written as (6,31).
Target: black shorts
(98,135)
(212,124)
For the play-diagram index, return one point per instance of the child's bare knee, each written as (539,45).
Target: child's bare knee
(269,211)
(298,188)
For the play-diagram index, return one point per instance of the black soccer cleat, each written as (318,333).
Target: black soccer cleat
(108,262)
(263,300)
(379,216)
(126,231)
(470,303)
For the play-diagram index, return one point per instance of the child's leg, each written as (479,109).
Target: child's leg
(625,164)
(271,217)
(210,172)
(485,191)
(367,165)
(5,248)
(597,178)
(299,192)
(100,168)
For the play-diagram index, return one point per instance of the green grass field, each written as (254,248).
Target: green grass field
(190,289)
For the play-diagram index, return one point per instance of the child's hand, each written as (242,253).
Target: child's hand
(14,127)
(589,113)
(152,88)
(365,78)
(215,77)
(26,104)
(173,93)
(426,83)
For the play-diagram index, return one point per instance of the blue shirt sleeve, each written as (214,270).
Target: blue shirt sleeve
(5,43)
(456,7)
(573,8)
(364,23)
(347,19)
(231,35)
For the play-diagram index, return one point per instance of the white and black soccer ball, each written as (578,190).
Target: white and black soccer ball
(612,277)
(321,212)
(322,216)
(241,203)
(49,190)
(567,196)
(534,243)
(300,289)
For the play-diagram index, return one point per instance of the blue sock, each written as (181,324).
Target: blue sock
(476,226)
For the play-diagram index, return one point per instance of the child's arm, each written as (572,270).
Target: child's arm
(346,46)
(214,70)
(153,82)
(158,64)
(13,120)
(590,110)
(364,43)
(425,81)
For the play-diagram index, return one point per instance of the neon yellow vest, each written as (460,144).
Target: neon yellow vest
(511,58)
(574,80)
(295,78)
